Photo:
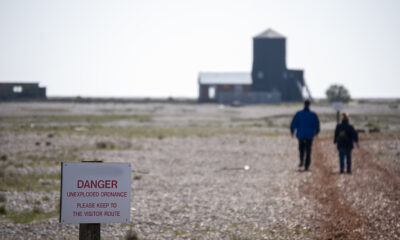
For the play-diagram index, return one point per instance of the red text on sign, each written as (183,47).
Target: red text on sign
(96,183)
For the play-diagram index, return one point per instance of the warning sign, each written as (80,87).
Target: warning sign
(337,106)
(95,192)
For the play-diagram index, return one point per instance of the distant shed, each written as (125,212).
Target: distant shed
(270,81)
(21,91)
(226,88)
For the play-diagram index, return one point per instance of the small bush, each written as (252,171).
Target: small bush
(26,217)
(3,197)
(131,235)
(161,137)
(46,198)
(3,210)
(37,209)
(178,233)
(105,145)
(28,182)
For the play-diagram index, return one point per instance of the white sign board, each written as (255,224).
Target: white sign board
(95,192)
(338,106)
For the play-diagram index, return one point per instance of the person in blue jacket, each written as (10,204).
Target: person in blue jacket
(306,125)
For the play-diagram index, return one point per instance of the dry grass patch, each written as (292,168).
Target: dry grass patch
(31,182)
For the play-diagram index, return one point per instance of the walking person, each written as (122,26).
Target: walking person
(345,135)
(306,125)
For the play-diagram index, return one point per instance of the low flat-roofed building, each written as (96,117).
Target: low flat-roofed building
(10,91)
(227,88)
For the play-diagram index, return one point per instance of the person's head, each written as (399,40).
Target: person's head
(307,102)
(345,117)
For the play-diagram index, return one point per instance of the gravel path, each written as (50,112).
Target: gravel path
(363,205)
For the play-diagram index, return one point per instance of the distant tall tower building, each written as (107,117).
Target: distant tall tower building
(269,81)
(269,71)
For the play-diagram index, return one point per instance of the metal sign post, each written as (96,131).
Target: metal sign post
(338,107)
(337,117)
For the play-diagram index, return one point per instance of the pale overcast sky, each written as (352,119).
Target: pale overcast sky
(156,48)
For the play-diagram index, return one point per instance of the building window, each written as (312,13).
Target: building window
(211,92)
(238,88)
(17,89)
(260,75)
(226,87)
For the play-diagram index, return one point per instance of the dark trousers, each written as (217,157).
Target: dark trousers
(343,152)
(305,147)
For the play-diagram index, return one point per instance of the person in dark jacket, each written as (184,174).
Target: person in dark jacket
(345,135)
(306,125)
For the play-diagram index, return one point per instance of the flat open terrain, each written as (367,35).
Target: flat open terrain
(189,177)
